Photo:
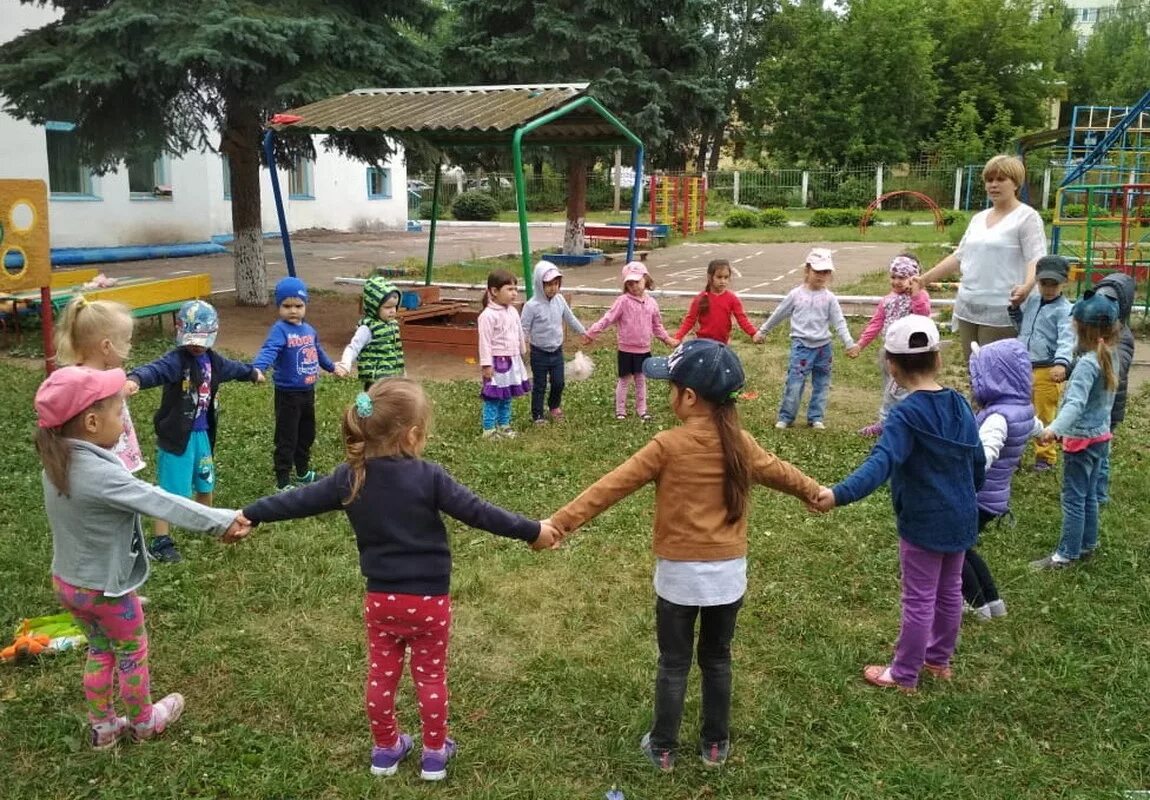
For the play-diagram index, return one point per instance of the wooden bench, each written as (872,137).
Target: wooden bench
(72,277)
(157,298)
(617,233)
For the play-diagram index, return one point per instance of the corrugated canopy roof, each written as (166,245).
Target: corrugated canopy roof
(458,115)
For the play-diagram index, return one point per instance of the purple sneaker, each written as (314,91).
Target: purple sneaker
(385,760)
(105,735)
(433,764)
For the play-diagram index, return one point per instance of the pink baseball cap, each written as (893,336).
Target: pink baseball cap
(634,271)
(71,390)
(820,260)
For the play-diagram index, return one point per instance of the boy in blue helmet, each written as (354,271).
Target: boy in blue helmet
(185,422)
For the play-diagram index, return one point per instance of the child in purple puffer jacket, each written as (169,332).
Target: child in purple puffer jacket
(1001,382)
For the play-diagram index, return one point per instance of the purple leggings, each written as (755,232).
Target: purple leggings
(117,642)
(931,610)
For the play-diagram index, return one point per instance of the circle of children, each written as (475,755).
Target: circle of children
(950,471)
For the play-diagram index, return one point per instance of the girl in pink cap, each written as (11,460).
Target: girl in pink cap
(98,555)
(637,315)
(902,300)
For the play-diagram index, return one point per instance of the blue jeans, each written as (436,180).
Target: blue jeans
(813,361)
(546,365)
(1080,473)
(496,413)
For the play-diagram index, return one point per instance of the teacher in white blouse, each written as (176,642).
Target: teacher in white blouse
(996,258)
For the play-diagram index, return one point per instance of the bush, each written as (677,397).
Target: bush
(741,218)
(425,210)
(769,196)
(475,205)
(950,216)
(773,218)
(1078,210)
(837,217)
(1047,215)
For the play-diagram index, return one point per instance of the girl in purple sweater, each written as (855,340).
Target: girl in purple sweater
(638,318)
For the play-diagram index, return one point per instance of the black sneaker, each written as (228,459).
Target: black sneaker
(714,754)
(164,549)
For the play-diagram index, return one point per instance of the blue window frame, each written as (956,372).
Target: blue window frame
(301,180)
(378,183)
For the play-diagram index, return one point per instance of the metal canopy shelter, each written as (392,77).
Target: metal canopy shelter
(553,114)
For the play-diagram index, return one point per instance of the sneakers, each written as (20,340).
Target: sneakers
(539,421)
(433,764)
(871,431)
(781,425)
(105,735)
(620,417)
(307,477)
(164,549)
(385,760)
(1052,561)
(714,754)
(645,417)
(997,608)
(818,425)
(284,487)
(981,613)
(557,415)
(664,760)
(1083,557)
(164,713)
(490,434)
(880,675)
(1043,466)
(939,671)
(507,432)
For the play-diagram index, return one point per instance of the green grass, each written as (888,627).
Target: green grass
(553,654)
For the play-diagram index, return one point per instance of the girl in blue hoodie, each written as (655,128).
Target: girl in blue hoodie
(930,451)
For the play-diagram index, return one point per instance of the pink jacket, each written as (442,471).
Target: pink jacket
(499,333)
(892,307)
(638,319)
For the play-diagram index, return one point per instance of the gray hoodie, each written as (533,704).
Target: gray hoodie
(1120,286)
(543,318)
(97,539)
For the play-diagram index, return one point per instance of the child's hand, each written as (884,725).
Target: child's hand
(1047,436)
(853,352)
(259,375)
(758,338)
(488,373)
(824,502)
(549,536)
(341,370)
(131,387)
(1058,374)
(673,343)
(585,340)
(240,528)
(1017,295)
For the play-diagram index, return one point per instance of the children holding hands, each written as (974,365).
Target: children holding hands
(543,318)
(375,345)
(637,316)
(714,307)
(813,311)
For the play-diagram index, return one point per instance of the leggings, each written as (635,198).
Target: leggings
(117,643)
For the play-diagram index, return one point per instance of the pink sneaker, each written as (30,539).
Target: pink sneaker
(164,713)
(105,735)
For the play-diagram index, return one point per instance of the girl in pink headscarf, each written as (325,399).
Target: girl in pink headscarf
(901,301)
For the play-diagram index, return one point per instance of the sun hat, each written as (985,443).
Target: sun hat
(711,369)
(819,259)
(197,324)
(912,334)
(634,271)
(903,267)
(70,390)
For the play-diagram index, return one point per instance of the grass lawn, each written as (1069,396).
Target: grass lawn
(553,654)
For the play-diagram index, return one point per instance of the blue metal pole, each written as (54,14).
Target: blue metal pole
(636,191)
(270,157)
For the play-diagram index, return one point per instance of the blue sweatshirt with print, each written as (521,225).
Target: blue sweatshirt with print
(295,352)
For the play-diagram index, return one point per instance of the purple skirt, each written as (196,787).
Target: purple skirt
(509,379)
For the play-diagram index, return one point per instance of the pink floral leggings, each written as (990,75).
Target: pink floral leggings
(117,642)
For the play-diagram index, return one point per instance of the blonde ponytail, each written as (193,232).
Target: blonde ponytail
(377,424)
(85,324)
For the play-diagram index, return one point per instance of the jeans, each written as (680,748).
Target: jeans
(675,628)
(546,365)
(931,610)
(1103,490)
(496,413)
(892,393)
(813,361)
(1080,474)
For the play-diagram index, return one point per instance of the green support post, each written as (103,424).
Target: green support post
(521,206)
(434,219)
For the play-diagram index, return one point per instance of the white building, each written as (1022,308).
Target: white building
(1088,13)
(182,199)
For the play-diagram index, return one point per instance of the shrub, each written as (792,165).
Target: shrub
(769,196)
(741,218)
(425,210)
(773,218)
(475,205)
(1047,215)
(837,217)
(949,217)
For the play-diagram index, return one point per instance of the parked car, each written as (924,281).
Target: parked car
(485,183)
(416,185)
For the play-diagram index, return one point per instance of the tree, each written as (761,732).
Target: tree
(141,77)
(1114,68)
(645,60)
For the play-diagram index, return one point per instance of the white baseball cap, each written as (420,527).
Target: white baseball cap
(819,259)
(912,334)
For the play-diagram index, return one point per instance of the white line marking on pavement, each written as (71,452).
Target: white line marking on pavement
(179,272)
(336,258)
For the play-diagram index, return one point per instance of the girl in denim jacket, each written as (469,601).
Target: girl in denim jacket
(1083,424)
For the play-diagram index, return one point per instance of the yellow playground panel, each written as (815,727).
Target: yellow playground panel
(680,202)
(24,232)
(1104,228)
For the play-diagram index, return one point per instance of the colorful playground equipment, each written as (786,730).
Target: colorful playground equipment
(1101,210)
(679,202)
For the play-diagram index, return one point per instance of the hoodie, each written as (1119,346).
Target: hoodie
(543,317)
(376,344)
(930,451)
(1120,286)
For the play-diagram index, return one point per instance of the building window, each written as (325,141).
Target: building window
(227,167)
(1085,15)
(378,183)
(301,185)
(67,177)
(148,178)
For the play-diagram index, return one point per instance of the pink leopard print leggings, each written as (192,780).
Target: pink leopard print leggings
(117,643)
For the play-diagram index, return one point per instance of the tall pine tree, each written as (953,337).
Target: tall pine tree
(646,61)
(141,77)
